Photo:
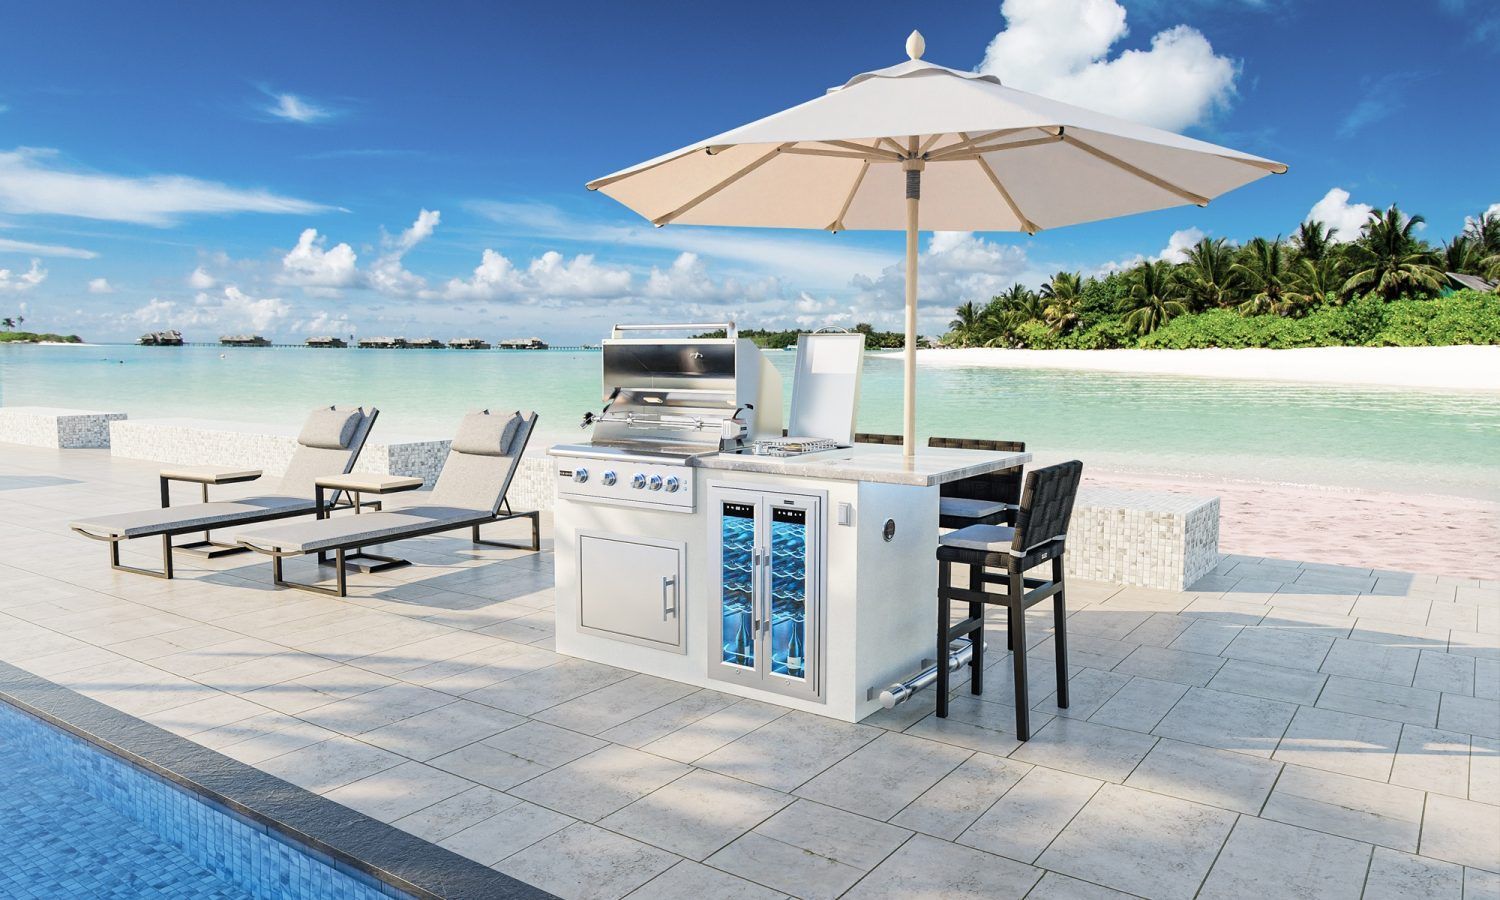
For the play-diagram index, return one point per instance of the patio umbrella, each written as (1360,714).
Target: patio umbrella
(918,145)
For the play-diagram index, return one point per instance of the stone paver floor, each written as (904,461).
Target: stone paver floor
(1282,729)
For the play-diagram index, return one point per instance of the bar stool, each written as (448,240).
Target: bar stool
(988,499)
(1001,555)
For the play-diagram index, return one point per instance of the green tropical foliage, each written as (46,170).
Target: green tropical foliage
(1317,288)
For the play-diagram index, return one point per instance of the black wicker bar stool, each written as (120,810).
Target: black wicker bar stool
(989,499)
(1000,556)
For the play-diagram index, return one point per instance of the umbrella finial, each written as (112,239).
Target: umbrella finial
(915,45)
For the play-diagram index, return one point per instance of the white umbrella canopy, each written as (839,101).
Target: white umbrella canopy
(918,145)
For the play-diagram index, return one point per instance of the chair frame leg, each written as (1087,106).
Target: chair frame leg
(340,576)
(1060,633)
(1016,613)
(976,637)
(166,560)
(944,614)
(536,532)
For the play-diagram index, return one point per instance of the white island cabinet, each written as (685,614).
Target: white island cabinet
(807,581)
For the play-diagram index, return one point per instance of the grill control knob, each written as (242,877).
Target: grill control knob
(638,481)
(673,485)
(654,483)
(580,475)
(608,478)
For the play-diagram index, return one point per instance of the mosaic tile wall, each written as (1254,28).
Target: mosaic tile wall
(199,443)
(139,835)
(39,426)
(532,487)
(1143,538)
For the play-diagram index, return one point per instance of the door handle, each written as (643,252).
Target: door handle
(668,581)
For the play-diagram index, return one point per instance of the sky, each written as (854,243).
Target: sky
(417,169)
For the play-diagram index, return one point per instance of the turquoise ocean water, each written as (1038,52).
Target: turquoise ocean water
(1362,437)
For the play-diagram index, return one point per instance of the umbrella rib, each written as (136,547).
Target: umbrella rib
(838,224)
(969,143)
(840,154)
(861,148)
(900,150)
(1140,173)
(975,152)
(1275,168)
(1028,225)
(736,176)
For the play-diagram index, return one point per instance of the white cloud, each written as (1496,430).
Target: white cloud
(293,108)
(1061,49)
(10,246)
(387,275)
(31,182)
(494,279)
(956,267)
(1336,212)
(16,282)
(101,286)
(1176,251)
(200,280)
(309,265)
(228,310)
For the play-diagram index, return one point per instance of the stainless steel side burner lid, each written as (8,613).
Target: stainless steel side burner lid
(683,397)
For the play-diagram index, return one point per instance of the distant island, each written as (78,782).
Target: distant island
(1386,287)
(34,337)
(781,340)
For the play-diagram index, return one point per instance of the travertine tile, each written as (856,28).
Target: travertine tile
(1430,759)
(399,791)
(1023,822)
(883,776)
(1401,876)
(508,830)
(1139,705)
(925,866)
(1141,843)
(788,751)
(1307,864)
(1269,682)
(1381,701)
(584,862)
(1475,715)
(693,881)
(1221,778)
(955,802)
(1341,742)
(1164,664)
(1355,808)
(1227,721)
(697,814)
(1084,748)
(1461,831)
(700,738)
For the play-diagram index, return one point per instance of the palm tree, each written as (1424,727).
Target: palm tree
(1313,240)
(8,322)
(1063,297)
(1390,261)
(1484,231)
(1153,298)
(965,329)
(1009,311)
(1263,266)
(1319,280)
(1462,254)
(1208,273)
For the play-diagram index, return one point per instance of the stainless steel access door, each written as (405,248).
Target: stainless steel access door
(632,589)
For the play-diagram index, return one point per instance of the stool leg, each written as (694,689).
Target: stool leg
(1060,633)
(1016,612)
(976,637)
(944,612)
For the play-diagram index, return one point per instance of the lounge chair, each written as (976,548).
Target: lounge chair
(330,442)
(469,493)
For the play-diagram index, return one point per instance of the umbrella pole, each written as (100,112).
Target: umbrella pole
(909,399)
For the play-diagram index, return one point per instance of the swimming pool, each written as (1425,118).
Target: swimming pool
(80,822)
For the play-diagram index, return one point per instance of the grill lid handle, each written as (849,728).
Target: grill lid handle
(729,328)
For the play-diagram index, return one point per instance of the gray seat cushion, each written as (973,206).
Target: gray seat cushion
(971,509)
(985,538)
(329,428)
(191,517)
(487,434)
(310,536)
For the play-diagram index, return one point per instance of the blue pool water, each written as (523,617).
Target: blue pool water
(76,821)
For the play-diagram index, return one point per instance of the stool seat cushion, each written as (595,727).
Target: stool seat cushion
(968,508)
(984,538)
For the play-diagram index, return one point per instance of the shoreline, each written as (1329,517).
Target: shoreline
(1460,367)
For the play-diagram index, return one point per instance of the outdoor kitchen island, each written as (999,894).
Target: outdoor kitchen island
(807,581)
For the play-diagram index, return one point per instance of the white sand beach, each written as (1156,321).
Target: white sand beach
(1458,368)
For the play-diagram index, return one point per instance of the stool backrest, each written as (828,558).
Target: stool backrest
(871,437)
(1046,505)
(1003,486)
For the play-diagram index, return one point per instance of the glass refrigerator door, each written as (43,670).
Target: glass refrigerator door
(789,593)
(737,600)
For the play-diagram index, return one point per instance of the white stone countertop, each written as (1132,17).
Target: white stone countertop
(871,462)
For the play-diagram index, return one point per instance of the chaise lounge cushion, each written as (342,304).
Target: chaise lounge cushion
(310,536)
(487,434)
(190,517)
(984,538)
(330,428)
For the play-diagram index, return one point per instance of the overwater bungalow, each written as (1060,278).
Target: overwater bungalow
(469,344)
(531,343)
(327,342)
(426,344)
(244,340)
(382,343)
(160,339)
